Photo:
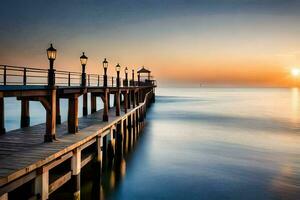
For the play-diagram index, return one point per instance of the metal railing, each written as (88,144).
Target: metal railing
(15,75)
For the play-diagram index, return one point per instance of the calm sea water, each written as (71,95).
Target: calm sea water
(210,143)
(217,144)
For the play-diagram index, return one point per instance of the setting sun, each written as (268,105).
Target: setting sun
(295,71)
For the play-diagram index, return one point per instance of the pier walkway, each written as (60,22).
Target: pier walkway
(34,156)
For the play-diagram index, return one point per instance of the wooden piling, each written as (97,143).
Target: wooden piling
(125,135)
(93,103)
(84,104)
(41,185)
(125,104)
(105,105)
(58,117)
(73,115)
(118,106)
(25,119)
(50,106)
(133,99)
(76,168)
(129,131)
(119,140)
(4,197)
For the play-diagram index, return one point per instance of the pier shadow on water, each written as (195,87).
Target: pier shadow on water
(94,183)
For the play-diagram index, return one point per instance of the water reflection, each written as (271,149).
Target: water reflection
(210,144)
(287,183)
(295,105)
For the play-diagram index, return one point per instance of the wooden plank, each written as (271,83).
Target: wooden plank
(59,161)
(59,182)
(17,183)
(87,144)
(4,197)
(87,159)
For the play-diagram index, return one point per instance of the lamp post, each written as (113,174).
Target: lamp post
(126,76)
(118,68)
(51,54)
(133,77)
(105,66)
(83,61)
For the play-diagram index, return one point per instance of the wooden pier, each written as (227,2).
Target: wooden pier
(32,155)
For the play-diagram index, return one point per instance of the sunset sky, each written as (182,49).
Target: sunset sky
(213,42)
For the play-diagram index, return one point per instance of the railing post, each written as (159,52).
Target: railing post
(24,77)
(98,80)
(89,79)
(4,75)
(112,81)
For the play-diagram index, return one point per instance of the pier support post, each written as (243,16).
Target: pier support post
(133,128)
(111,148)
(125,104)
(25,119)
(4,196)
(93,103)
(133,98)
(137,122)
(115,100)
(118,106)
(41,185)
(129,131)
(108,100)
(137,98)
(105,100)
(125,135)
(2,124)
(119,139)
(50,106)
(73,115)
(129,99)
(104,152)
(99,151)
(84,104)
(58,117)
(76,167)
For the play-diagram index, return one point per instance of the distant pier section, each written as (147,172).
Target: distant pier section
(46,156)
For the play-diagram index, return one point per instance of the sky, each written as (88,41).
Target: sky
(208,42)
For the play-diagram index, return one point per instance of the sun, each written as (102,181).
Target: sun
(295,71)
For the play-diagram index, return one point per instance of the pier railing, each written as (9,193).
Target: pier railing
(16,75)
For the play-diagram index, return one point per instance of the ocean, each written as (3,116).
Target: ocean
(206,143)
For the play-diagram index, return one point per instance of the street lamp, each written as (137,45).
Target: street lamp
(105,66)
(126,76)
(83,61)
(51,54)
(118,68)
